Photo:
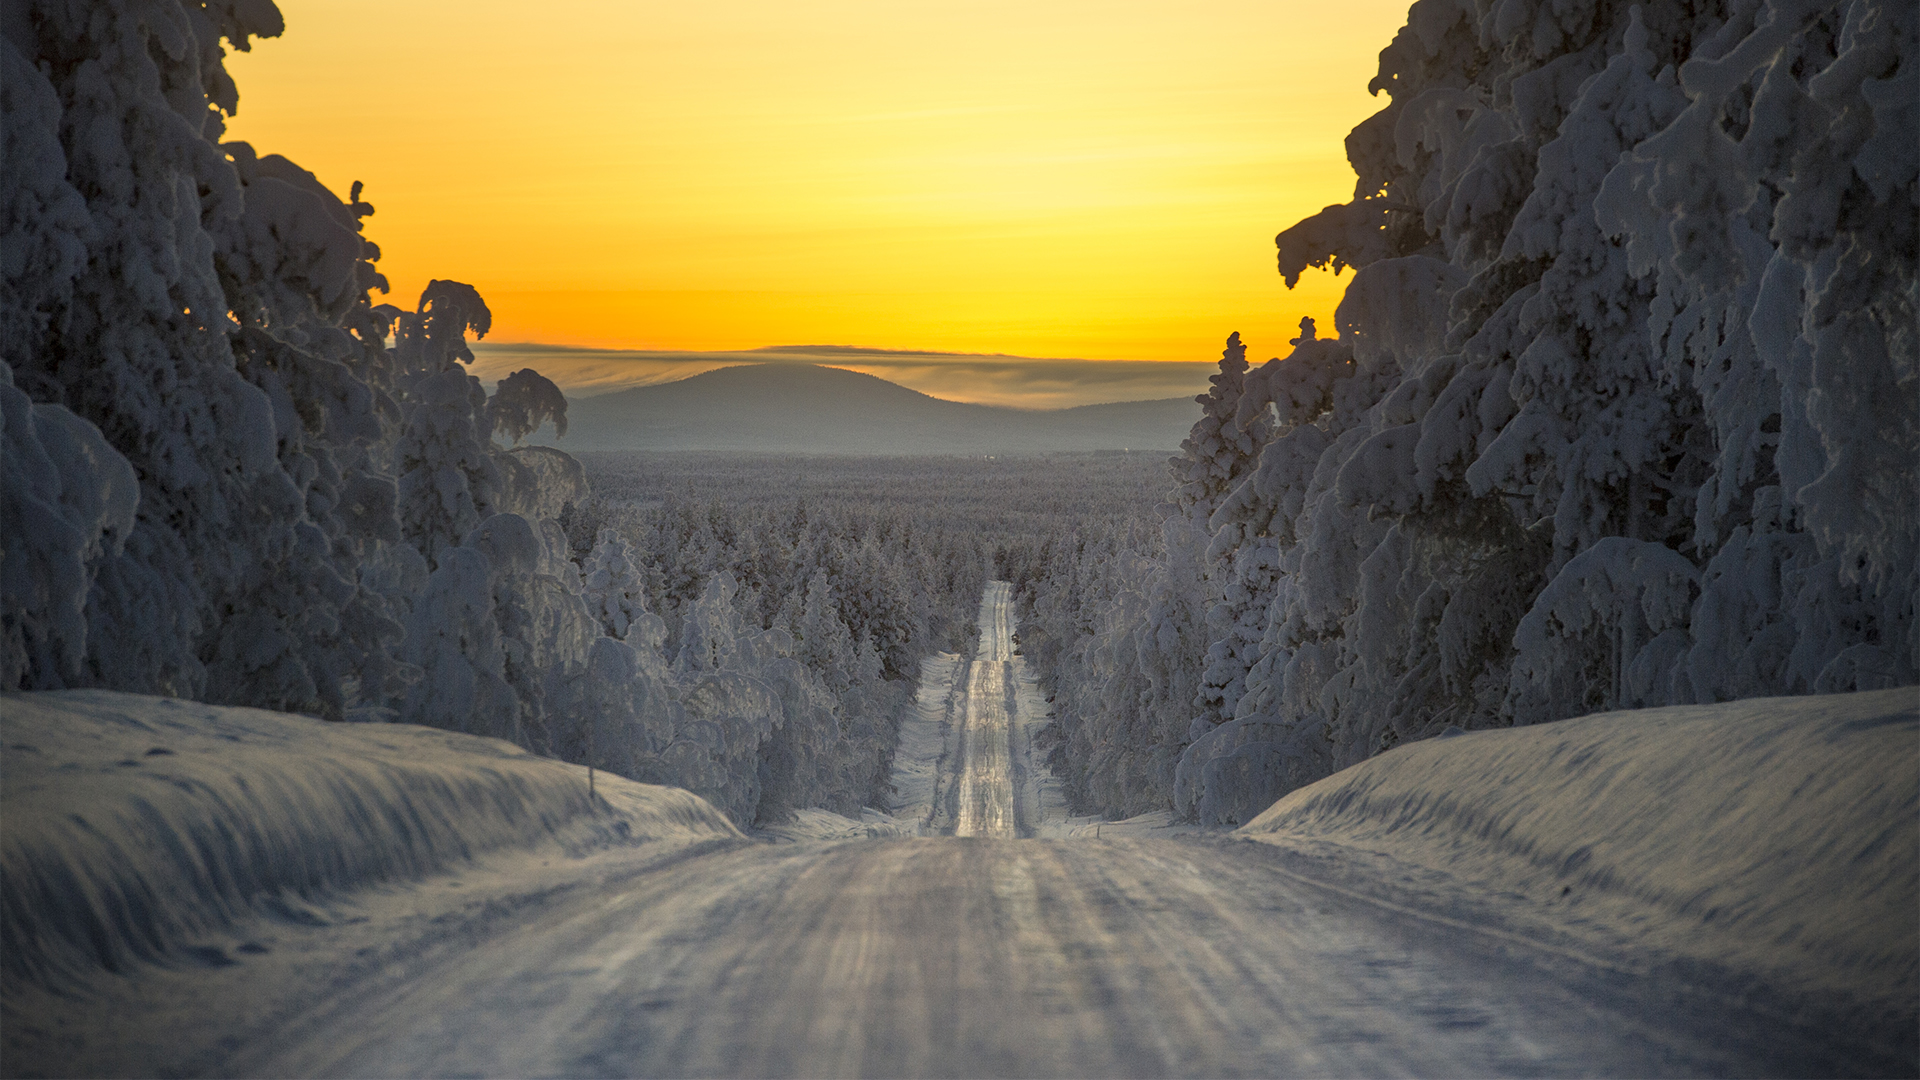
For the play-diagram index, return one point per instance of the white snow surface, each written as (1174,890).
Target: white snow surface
(815,824)
(138,825)
(984,802)
(1772,834)
(922,743)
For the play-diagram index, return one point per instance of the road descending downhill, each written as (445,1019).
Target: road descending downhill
(1012,947)
(985,788)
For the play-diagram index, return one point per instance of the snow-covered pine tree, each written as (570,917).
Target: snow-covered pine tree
(1618,268)
(298,278)
(1775,219)
(68,498)
(205,310)
(523,402)
(615,585)
(445,461)
(1219,450)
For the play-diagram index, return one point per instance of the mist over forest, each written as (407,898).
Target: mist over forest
(809,409)
(1020,382)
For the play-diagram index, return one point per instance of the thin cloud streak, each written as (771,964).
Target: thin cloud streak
(1016,381)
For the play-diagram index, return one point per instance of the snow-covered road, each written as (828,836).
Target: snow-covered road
(943,957)
(1004,951)
(984,792)
(965,764)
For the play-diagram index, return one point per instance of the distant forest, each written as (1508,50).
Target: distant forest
(849,570)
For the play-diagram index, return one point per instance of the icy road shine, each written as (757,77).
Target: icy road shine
(986,769)
(974,954)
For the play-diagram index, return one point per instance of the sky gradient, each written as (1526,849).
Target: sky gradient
(1038,178)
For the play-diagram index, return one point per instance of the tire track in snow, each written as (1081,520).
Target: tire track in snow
(985,783)
(923,957)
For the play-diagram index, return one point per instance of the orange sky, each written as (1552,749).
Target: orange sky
(1038,177)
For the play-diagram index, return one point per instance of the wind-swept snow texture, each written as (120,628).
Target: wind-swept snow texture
(1780,834)
(135,825)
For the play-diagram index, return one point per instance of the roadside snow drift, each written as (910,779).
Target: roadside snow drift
(1782,833)
(134,824)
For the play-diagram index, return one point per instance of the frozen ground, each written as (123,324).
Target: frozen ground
(1775,834)
(295,898)
(136,825)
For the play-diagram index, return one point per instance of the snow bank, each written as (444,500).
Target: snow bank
(923,743)
(135,824)
(811,825)
(1160,823)
(1777,832)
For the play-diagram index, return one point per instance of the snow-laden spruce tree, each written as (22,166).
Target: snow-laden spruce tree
(1214,458)
(524,401)
(445,461)
(732,699)
(1623,408)
(1775,217)
(625,713)
(1122,636)
(205,311)
(69,498)
(615,584)
(1116,733)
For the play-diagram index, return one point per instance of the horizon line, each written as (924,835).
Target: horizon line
(854,350)
(909,389)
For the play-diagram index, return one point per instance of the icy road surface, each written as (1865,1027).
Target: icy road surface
(985,795)
(1013,953)
(942,957)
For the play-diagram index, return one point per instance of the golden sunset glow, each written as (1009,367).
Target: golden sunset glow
(1038,178)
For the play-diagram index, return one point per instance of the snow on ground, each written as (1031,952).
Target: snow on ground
(817,824)
(138,826)
(1042,800)
(276,865)
(1776,834)
(923,742)
(1095,827)
(984,801)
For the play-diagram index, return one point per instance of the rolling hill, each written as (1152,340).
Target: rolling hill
(807,409)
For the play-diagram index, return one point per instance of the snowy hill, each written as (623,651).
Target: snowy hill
(141,827)
(803,408)
(1771,834)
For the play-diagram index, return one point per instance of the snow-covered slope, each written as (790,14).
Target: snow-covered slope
(134,824)
(1778,833)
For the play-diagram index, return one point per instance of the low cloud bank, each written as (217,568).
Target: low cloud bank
(1015,381)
